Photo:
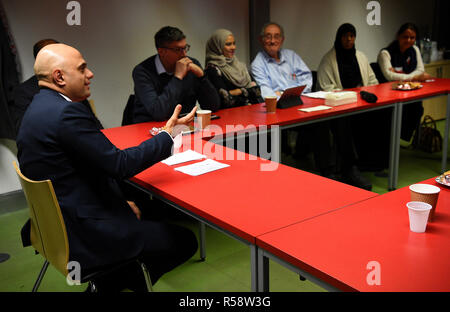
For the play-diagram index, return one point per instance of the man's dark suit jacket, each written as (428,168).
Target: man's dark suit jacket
(23,95)
(157,95)
(61,141)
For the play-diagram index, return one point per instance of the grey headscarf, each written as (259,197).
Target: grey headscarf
(235,71)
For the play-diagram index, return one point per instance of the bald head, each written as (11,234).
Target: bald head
(62,68)
(42,43)
(51,57)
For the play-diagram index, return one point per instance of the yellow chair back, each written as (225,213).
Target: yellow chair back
(48,231)
(91,103)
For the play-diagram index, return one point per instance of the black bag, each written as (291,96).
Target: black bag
(427,138)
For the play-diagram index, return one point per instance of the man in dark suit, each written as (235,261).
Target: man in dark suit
(168,78)
(60,140)
(24,92)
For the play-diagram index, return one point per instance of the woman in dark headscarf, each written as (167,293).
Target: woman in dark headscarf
(230,76)
(343,66)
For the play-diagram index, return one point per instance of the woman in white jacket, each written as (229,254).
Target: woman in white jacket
(401,60)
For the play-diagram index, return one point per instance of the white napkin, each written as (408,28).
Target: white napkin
(317,95)
(183,157)
(199,168)
(314,109)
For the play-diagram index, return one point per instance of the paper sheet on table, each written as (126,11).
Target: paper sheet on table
(315,108)
(201,167)
(317,95)
(183,157)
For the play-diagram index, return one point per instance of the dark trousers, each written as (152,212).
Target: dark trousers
(372,134)
(315,138)
(411,115)
(344,143)
(166,247)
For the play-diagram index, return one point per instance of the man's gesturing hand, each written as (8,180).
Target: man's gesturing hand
(174,120)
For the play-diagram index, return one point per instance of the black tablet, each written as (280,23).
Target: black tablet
(291,97)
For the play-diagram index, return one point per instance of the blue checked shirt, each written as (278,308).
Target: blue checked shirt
(290,72)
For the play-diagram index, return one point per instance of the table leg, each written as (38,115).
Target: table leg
(275,134)
(263,272)
(392,148)
(445,145)
(202,228)
(254,267)
(397,145)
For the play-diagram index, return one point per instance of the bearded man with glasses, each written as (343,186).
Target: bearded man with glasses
(169,78)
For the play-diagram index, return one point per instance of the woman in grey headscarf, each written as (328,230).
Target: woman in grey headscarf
(230,76)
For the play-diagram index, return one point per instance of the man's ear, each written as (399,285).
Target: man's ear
(58,78)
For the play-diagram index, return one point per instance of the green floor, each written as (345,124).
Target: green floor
(227,265)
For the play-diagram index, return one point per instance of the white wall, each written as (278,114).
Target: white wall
(310,26)
(115,35)
(9,181)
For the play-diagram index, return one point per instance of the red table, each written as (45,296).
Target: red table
(241,200)
(249,202)
(436,87)
(242,189)
(254,116)
(336,248)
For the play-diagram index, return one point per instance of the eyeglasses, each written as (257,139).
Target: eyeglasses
(269,37)
(179,50)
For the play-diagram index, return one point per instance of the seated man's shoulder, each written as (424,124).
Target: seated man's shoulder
(259,58)
(146,65)
(260,55)
(47,97)
(43,108)
(291,53)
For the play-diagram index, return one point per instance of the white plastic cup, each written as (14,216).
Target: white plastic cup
(418,216)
